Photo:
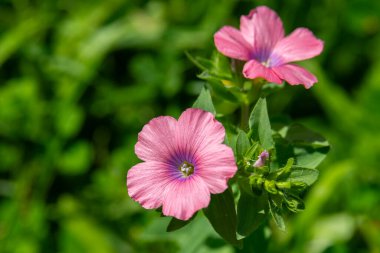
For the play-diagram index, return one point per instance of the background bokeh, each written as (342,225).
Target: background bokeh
(79,79)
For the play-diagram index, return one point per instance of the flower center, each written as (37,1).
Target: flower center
(266,63)
(186,168)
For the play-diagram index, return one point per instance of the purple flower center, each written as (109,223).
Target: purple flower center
(186,168)
(266,58)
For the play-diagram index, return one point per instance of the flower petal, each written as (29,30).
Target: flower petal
(254,69)
(146,183)
(301,44)
(184,197)
(215,165)
(295,75)
(196,130)
(156,140)
(247,27)
(267,31)
(231,43)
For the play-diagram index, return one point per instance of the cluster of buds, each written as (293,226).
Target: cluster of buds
(278,184)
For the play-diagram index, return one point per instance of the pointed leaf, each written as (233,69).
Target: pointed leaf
(299,134)
(310,148)
(309,157)
(222,216)
(259,124)
(204,101)
(176,224)
(219,88)
(242,144)
(305,175)
(200,62)
(275,212)
(251,212)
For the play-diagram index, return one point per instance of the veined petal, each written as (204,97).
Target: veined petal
(231,43)
(147,181)
(247,27)
(267,31)
(301,44)
(294,75)
(156,140)
(184,197)
(215,165)
(254,69)
(196,130)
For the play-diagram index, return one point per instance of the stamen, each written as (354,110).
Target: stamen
(186,168)
(266,63)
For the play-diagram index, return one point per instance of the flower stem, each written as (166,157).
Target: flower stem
(244,116)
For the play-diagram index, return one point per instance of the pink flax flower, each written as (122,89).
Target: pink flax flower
(261,42)
(184,162)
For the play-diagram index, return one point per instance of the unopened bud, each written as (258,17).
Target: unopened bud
(283,185)
(270,186)
(261,159)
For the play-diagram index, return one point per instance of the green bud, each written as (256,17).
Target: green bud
(283,185)
(270,186)
(256,183)
(294,203)
(286,169)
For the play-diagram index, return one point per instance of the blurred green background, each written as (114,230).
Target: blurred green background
(79,79)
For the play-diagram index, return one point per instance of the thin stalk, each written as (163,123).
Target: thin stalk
(244,116)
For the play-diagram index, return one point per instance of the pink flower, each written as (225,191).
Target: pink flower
(184,161)
(268,54)
(261,159)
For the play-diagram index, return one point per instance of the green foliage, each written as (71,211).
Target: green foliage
(79,79)
(251,212)
(259,125)
(204,101)
(242,144)
(176,224)
(222,215)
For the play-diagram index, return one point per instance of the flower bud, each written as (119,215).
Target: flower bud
(261,159)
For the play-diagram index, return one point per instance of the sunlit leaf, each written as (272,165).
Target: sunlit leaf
(305,175)
(242,144)
(204,101)
(259,124)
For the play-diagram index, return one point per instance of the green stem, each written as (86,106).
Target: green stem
(257,85)
(244,116)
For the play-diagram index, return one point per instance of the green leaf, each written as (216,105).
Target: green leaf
(309,157)
(257,241)
(284,150)
(176,224)
(283,172)
(222,216)
(305,175)
(302,136)
(200,62)
(221,64)
(242,144)
(275,211)
(219,89)
(251,212)
(231,135)
(259,124)
(204,101)
(294,203)
(310,148)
